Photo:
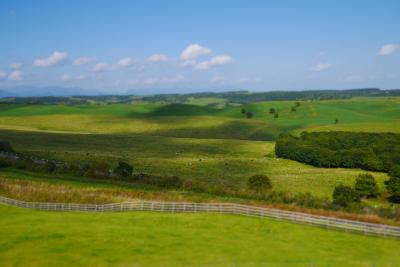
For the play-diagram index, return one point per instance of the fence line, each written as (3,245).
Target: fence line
(227,208)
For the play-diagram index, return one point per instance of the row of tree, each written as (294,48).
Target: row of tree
(369,151)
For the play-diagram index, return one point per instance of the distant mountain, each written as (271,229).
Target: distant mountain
(30,91)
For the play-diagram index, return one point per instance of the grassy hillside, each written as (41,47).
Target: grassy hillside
(154,239)
(200,121)
(205,161)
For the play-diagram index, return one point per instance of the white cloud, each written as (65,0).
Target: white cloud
(158,80)
(16,66)
(158,58)
(99,67)
(322,66)
(125,62)
(2,75)
(388,49)
(218,79)
(15,75)
(83,60)
(65,78)
(193,51)
(54,59)
(217,60)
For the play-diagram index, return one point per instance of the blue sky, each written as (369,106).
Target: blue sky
(178,46)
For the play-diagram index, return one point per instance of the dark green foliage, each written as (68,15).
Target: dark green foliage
(297,104)
(368,151)
(393,184)
(123,169)
(276,115)
(160,181)
(344,196)
(336,121)
(249,115)
(98,170)
(259,183)
(243,111)
(5,147)
(366,186)
(293,109)
(272,111)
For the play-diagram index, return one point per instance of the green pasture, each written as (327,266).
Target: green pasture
(204,161)
(36,238)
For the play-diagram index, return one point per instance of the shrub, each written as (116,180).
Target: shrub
(243,111)
(366,186)
(344,195)
(98,170)
(259,183)
(272,111)
(5,147)
(249,115)
(393,184)
(123,169)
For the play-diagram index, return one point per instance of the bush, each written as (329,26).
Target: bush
(98,170)
(123,169)
(160,181)
(393,184)
(366,186)
(243,111)
(344,195)
(259,183)
(5,147)
(249,115)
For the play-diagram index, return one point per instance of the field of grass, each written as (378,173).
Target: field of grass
(204,161)
(208,145)
(156,239)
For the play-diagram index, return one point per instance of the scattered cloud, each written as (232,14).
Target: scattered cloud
(15,75)
(2,75)
(217,60)
(158,80)
(16,66)
(83,60)
(158,58)
(193,51)
(65,78)
(54,59)
(388,49)
(218,79)
(99,67)
(322,66)
(125,62)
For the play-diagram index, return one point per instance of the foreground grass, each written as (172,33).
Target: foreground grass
(35,238)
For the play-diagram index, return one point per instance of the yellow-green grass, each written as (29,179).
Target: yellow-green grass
(37,238)
(359,114)
(204,161)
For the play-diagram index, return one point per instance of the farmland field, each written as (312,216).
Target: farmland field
(208,145)
(155,239)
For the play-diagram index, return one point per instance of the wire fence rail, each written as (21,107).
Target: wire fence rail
(226,208)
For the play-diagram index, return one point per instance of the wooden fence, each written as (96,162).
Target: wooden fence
(227,208)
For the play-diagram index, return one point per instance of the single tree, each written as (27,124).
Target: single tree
(293,109)
(243,111)
(249,115)
(259,183)
(276,115)
(366,186)
(336,121)
(272,111)
(344,195)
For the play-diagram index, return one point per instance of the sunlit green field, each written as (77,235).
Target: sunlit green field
(36,238)
(208,145)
